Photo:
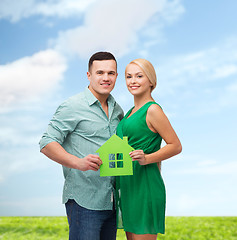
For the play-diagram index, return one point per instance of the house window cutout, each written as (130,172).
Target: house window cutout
(111,157)
(117,162)
(111,164)
(119,156)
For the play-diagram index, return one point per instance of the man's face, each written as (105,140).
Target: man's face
(102,77)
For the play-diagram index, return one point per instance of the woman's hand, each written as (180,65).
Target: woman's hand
(138,155)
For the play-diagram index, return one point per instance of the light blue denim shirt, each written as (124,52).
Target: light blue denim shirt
(81,126)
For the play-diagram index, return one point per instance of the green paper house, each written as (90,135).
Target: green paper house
(114,154)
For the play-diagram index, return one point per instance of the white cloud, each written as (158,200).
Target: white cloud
(225,71)
(205,204)
(226,168)
(27,8)
(200,67)
(115,26)
(30,77)
(205,81)
(207,163)
(186,202)
(19,137)
(201,165)
(33,206)
(207,65)
(173,9)
(232,87)
(15,159)
(20,132)
(229,96)
(197,185)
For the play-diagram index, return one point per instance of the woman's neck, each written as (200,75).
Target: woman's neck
(139,101)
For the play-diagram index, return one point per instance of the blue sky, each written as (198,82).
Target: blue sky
(44,50)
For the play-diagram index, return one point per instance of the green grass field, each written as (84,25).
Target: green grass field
(180,228)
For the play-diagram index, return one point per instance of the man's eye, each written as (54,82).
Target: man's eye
(111,73)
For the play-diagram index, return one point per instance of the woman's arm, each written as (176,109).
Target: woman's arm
(158,122)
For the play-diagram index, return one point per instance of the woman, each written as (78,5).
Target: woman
(141,197)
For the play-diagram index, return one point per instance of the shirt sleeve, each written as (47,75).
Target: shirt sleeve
(62,123)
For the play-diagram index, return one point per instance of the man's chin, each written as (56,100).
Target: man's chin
(106,91)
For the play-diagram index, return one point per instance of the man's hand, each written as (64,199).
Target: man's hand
(90,162)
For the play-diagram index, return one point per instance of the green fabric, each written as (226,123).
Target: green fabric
(81,126)
(141,198)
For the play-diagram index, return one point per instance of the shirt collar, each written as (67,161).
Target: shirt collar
(92,99)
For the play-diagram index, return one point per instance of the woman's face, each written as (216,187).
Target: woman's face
(136,80)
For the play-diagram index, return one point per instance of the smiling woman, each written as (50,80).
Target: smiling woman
(137,82)
(141,198)
(147,70)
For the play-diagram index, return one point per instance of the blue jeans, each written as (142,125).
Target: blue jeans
(85,224)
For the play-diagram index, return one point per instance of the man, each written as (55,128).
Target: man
(78,128)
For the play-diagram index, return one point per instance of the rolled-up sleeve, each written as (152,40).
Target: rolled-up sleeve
(62,123)
(81,126)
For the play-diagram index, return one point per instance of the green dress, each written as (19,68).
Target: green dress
(141,198)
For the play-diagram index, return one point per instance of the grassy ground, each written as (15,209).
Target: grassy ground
(177,228)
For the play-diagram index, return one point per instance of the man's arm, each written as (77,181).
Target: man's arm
(57,153)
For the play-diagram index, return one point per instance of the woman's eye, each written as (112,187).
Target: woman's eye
(139,76)
(128,77)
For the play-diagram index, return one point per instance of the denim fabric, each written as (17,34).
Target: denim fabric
(85,224)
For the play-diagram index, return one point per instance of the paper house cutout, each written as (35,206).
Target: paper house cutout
(114,154)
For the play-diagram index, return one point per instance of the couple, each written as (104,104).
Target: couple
(82,124)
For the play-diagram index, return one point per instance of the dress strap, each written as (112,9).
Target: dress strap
(148,104)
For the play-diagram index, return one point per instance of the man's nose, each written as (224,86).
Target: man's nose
(106,77)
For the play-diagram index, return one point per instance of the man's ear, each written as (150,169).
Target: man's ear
(88,75)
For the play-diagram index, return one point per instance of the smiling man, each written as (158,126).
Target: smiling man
(78,128)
